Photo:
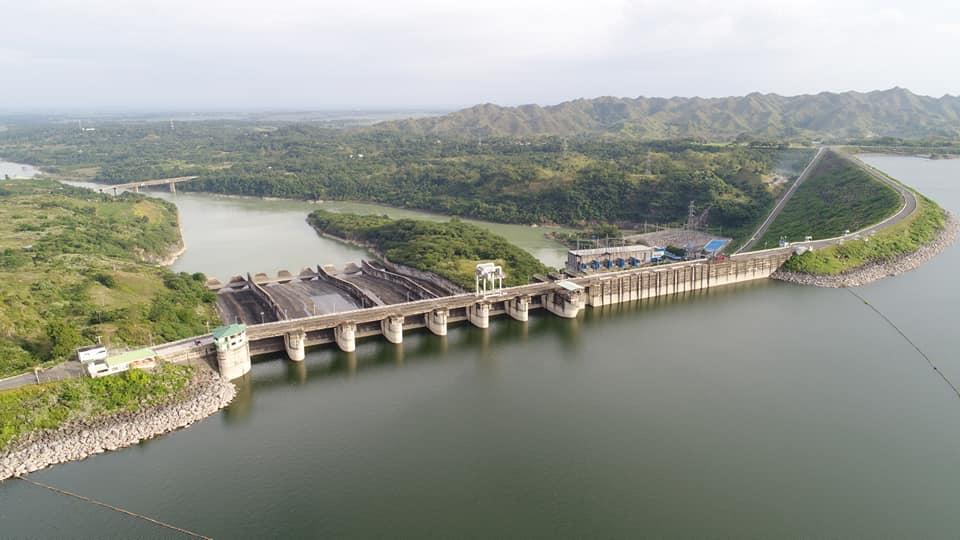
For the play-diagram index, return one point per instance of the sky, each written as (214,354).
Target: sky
(318,54)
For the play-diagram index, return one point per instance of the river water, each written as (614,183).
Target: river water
(760,410)
(227,235)
(17,170)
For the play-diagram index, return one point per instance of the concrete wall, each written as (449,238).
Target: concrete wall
(598,290)
(411,288)
(265,297)
(362,297)
(627,287)
(437,281)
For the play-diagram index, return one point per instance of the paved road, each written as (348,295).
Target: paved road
(762,229)
(65,370)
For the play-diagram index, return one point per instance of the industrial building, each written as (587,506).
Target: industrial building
(586,261)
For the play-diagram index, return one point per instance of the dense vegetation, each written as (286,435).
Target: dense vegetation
(451,249)
(837,196)
(901,239)
(74,265)
(48,406)
(895,112)
(539,180)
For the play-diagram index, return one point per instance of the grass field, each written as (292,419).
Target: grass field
(838,196)
(73,266)
(901,239)
(48,406)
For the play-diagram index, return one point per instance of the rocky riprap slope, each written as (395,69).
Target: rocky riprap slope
(205,394)
(875,271)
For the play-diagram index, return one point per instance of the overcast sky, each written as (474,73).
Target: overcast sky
(296,54)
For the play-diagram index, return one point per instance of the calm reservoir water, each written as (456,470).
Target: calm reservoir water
(764,410)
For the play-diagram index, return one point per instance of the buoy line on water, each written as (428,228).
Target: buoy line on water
(114,508)
(910,341)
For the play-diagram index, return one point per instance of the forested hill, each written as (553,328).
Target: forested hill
(850,115)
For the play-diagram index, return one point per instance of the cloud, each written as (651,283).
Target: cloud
(300,53)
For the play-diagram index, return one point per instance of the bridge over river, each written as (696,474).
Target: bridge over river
(138,184)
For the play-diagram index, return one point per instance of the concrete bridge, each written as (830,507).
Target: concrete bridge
(135,186)
(564,298)
(434,306)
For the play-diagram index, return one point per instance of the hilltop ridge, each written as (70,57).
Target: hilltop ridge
(896,112)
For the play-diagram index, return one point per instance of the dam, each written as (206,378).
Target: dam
(329,306)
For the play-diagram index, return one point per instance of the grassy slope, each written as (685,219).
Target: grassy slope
(71,269)
(47,406)
(902,239)
(838,196)
(451,249)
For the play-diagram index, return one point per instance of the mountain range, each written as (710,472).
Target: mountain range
(849,115)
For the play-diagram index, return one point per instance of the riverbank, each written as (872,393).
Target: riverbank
(205,394)
(878,270)
(177,249)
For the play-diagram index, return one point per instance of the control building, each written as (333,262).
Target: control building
(606,259)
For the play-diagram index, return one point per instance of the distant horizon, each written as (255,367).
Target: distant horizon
(360,109)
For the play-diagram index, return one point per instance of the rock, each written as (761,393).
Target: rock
(206,394)
(871,272)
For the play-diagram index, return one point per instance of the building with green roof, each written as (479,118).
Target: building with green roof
(145,358)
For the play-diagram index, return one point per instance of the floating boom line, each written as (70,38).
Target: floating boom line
(908,340)
(114,508)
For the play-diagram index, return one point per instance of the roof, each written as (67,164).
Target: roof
(611,250)
(569,285)
(715,245)
(229,330)
(130,356)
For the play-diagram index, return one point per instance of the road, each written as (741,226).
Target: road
(762,229)
(65,370)
(907,197)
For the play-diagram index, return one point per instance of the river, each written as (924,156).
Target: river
(228,235)
(17,170)
(760,410)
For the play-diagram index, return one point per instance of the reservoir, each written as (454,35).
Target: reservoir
(757,410)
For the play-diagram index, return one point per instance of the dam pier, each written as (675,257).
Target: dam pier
(326,306)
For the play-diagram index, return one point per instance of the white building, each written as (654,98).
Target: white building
(141,358)
(91,353)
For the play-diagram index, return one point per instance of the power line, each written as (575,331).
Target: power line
(910,341)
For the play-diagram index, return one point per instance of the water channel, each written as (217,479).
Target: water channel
(761,410)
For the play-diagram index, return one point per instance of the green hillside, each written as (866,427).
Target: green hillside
(837,196)
(546,180)
(451,249)
(892,113)
(75,265)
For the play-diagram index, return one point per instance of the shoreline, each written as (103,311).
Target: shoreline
(205,394)
(181,245)
(876,271)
